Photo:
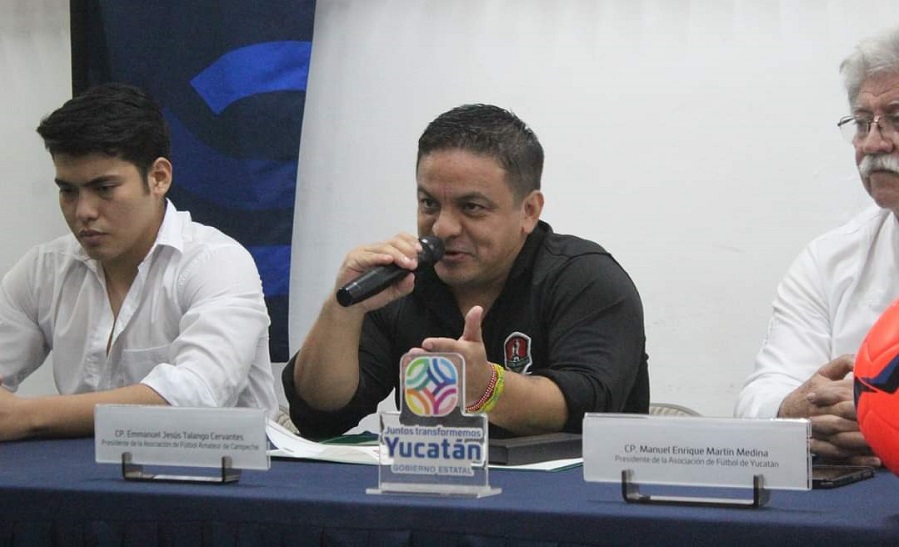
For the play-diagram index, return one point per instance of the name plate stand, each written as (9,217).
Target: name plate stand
(697,453)
(135,472)
(630,491)
(229,439)
(432,446)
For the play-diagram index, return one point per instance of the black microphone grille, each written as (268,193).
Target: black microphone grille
(431,249)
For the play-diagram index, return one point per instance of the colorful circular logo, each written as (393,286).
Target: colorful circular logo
(431,386)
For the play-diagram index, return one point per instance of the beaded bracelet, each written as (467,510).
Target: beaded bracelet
(497,390)
(494,389)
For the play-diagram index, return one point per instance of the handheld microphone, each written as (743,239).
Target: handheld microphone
(377,279)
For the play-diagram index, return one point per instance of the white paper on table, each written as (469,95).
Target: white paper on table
(289,445)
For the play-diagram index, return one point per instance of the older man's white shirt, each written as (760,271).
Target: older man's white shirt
(830,297)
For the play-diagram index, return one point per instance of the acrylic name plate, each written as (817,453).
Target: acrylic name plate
(136,435)
(712,452)
(432,446)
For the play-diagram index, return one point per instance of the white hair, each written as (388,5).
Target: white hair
(877,54)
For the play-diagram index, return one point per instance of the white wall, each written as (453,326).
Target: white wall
(696,140)
(36,78)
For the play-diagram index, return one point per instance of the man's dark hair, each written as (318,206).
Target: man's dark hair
(114,119)
(491,131)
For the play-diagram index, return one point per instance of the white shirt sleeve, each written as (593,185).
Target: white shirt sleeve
(218,342)
(798,342)
(22,344)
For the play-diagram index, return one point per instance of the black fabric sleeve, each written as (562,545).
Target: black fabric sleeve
(596,340)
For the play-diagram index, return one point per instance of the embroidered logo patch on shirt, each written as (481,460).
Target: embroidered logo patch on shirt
(518,352)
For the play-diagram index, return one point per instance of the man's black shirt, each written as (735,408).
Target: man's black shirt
(568,312)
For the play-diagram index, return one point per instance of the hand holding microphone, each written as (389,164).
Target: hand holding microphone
(377,279)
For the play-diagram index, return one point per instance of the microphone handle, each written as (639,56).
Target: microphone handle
(369,284)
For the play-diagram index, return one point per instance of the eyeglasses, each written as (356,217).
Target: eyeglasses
(856,128)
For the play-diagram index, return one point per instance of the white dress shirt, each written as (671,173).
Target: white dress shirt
(830,297)
(193,326)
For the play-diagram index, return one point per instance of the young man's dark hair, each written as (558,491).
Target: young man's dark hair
(114,119)
(491,131)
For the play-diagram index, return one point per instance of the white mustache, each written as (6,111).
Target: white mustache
(878,162)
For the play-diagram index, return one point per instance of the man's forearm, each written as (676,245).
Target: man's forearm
(530,405)
(71,415)
(326,372)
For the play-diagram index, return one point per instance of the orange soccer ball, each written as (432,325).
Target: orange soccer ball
(876,382)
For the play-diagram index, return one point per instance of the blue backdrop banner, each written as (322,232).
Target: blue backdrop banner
(231,78)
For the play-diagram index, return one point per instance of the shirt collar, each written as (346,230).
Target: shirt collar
(528,252)
(170,234)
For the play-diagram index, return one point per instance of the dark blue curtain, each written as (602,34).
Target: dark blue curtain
(231,78)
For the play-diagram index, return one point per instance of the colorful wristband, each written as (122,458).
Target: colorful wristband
(491,395)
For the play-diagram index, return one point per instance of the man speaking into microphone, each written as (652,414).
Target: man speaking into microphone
(550,325)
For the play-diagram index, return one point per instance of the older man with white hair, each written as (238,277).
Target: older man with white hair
(843,281)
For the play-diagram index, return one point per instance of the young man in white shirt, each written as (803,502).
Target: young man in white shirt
(138,305)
